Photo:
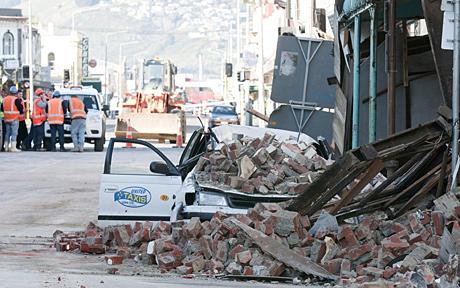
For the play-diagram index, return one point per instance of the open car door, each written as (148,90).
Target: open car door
(196,147)
(138,186)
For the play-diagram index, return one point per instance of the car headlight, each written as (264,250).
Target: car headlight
(211,199)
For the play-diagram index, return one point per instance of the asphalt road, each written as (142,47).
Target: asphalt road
(44,191)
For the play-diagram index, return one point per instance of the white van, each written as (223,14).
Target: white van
(95,119)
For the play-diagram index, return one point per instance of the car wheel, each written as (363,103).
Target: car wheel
(99,144)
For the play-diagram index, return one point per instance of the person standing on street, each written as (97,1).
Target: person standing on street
(11,108)
(56,110)
(78,112)
(37,131)
(1,123)
(22,129)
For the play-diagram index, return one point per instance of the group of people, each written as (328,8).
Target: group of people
(16,137)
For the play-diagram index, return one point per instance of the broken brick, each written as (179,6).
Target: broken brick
(373,271)
(234,269)
(389,272)
(248,188)
(193,227)
(347,238)
(437,219)
(334,265)
(184,270)
(248,271)
(243,257)
(114,260)
(276,268)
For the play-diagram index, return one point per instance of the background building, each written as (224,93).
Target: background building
(14,45)
(62,54)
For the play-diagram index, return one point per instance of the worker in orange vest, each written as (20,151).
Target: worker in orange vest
(78,112)
(22,129)
(57,108)
(38,116)
(2,124)
(11,108)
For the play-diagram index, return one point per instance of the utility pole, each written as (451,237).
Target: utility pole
(455,92)
(260,77)
(106,97)
(31,59)
(237,68)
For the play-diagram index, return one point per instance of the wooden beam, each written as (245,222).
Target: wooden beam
(422,192)
(413,185)
(328,179)
(372,171)
(403,169)
(328,194)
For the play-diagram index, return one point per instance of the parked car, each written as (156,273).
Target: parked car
(95,119)
(221,115)
(168,192)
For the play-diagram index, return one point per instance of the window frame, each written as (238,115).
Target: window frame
(8,37)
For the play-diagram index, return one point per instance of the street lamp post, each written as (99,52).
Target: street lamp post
(106,97)
(122,66)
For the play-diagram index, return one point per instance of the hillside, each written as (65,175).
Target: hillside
(175,29)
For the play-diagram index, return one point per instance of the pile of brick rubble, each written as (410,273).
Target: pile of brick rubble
(417,249)
(261,165)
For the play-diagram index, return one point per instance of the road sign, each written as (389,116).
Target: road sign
(92,63)
(11,64)
(447,41)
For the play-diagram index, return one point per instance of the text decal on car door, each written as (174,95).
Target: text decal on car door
(133,197)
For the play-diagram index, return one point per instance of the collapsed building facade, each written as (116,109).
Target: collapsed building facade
(390,69)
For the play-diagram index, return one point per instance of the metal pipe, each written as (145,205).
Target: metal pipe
(373,77)
(391,72)
(455,92)
(356,74)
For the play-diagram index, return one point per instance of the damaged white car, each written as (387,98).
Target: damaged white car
(169,192)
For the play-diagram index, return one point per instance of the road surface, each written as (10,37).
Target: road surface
(44,191)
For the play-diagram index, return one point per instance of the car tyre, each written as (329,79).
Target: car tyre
(99,144)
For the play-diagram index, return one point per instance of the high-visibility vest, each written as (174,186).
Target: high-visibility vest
(55,112)
(77,108)
(38,113)
(22,117)
(11,112)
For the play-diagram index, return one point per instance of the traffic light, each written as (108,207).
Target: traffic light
(66,75)
(25,72)
(240,76)
(243,75)
(228,69)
